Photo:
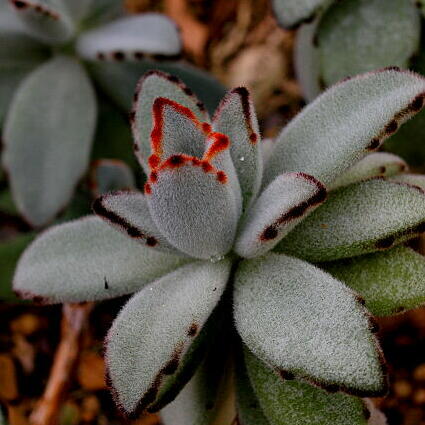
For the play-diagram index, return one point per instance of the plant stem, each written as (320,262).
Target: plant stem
(74,318)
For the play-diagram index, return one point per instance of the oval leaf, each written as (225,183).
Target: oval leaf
(130,38)
(358,219)
(156,328)
(390,282)
(87,260)
(46,154)
(356,36)
(47,20)
(343,124)
(299,319)
(281,206)
(292,402)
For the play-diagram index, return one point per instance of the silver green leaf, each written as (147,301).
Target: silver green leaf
(156,328)
(86,260)
(359,219)
(89,13)
(201,220)
(373,165)
(291,13)
(356,36)
(411,179)
(128,211)
(107,175)
(390,282)
(236,118)
(293,402)
(153,85)
(131,37)
(345,123)
(47,20)
(46,154)
(282,205)
(306,61)
(300,320)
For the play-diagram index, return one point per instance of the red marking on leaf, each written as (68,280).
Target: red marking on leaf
(20,4)
(196,161)
(206,166)
(148,189)
(206,128)
(154,161)
(253,138)
(222,177)
(219,143)
(174,161)
(158,119)
(153,178)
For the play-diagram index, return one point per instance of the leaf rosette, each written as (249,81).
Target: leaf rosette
(265,266)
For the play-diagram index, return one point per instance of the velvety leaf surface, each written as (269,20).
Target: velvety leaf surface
(129,212)
(290,13)
(306,61)
(202,217)
(293,402)
(357,36)
(120,79)
(90,13)
(87,260)
(200,399)
(46,154)
(129,37)
(157,84)
(344,123)
(47,20)
(358,219)
(110,175)
(236,118)
(390,282)
(299,319)
(248,408)
(10,251)
(372,165)
(280,207)
(412,179)
(155,329)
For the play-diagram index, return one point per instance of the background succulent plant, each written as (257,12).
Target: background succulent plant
(48,102)
(291,248)
(345,38)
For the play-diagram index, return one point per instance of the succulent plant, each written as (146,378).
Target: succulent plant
(47,100)
(346,38)
(271,268)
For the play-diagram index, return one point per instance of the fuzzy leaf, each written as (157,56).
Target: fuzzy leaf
(107,175)
(131,37)
(350,119)
(299,319)
(155,85)
(47,20)
(291,13)
(281,206)
(236,118)
(156,328)
(390,282)
(46,155)
(201,221)
(90,13)
(248,408)
(358,219)
(292,402)
(306,61)
(86,260)
(129,213)
(199,401)
(357,36)
(119,80)
(372,165)
(411,179)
